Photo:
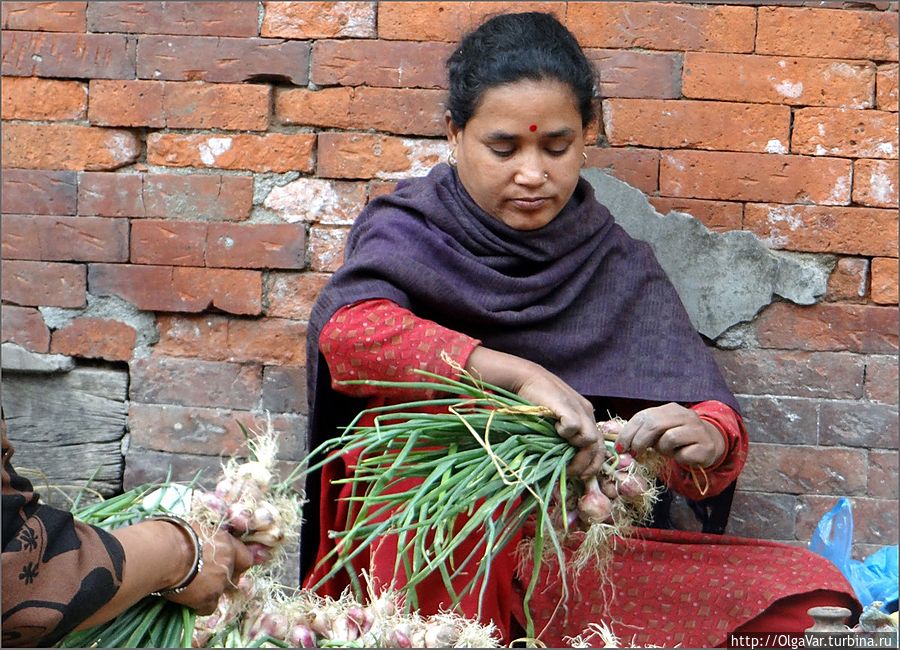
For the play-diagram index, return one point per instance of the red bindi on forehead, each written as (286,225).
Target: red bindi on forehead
(532,128)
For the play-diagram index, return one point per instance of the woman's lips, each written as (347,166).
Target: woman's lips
(531,204)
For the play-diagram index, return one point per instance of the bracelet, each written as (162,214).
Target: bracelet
(198,554)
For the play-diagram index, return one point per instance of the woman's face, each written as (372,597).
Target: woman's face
(520,154)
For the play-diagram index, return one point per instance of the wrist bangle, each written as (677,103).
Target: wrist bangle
(197,565)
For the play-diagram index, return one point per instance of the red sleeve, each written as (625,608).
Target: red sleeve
(378,339)
(697,484)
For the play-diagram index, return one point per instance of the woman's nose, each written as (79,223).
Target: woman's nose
(530,171)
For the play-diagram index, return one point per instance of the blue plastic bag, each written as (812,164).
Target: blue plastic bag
(876,578)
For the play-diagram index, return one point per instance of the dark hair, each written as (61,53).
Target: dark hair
(511,47)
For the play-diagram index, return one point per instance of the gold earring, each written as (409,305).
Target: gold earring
(584,155)
(451,159)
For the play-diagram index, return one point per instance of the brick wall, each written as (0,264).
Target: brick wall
(201,163)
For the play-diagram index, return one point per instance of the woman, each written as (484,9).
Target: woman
(61,575)
(504,260)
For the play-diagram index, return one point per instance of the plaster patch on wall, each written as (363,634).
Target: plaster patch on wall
(881,187)
(788,89)
(213,148)
(775,146)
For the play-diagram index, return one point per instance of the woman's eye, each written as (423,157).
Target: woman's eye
(557,151)
(503,153)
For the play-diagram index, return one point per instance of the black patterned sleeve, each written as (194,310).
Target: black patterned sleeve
(56,571)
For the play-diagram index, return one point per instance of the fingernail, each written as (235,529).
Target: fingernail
(619,447)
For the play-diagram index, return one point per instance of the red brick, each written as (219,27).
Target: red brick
(884,280)
(447,21)
(863,35)
(886,87)
(637,167)
(272,152)
(229,60)
(662,26)
(24,326)
(326,248)
(207,19)
(779,80)
(834,326)
(45,284)
(804,470)
(824,229)
(64,239)
(169,243)
(673,124)
(204,197)
(363,155)
(627,73)
(874,520)
(875,183)
(284,389)
(844,132)
(881,379)
(43,16)
(754,177)
(720,216)
(267,340)
(781,420)
(31,98)
(67,146)
(111,195)
(795,374)
(188,289)
(292,295)
(858,424)
(82,56)
(316,199)
(256,246)
(883,474)
(95,338)
(849,280)
(37,192)
(762,516)
(413,111)
(127,103)
(192,382)
(400,64)
(380,188)
(319,20)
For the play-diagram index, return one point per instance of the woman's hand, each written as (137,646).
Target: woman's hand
(540,386)
(674,431)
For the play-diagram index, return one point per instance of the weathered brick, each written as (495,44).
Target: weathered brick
(319,20)
(43,16)
(628,73)
(204,58)
(863,35)
(779,80)
(400,64)
(824,229)
(32,98)
(46,284)
(791,469)
(830,326)
(844,132)
(256,246)
(849,280)
(131,102)
(413,111)
(637,167)
(272,152)
(64,239)
(858,424)
(720,216)
(165,288)
(886,87)
(207,19)
(82,56)
(677,124)
(662,26)
(316,199)
(363,155)
(875,183)
(24,326)
(168,243)
(874,520)
(762,516)
(755,177)
(326,248)
(884,280)
(292,295)
(144,466)
(67,146)
(193,382)
(205,197)
(37,192)
(883,474)
(95,338)
(881,379)
(275,341)
(780,420)
(797,374)
(108,194)
(379,188)
(284,389)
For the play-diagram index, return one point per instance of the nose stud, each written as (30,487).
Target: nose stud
(546,175)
